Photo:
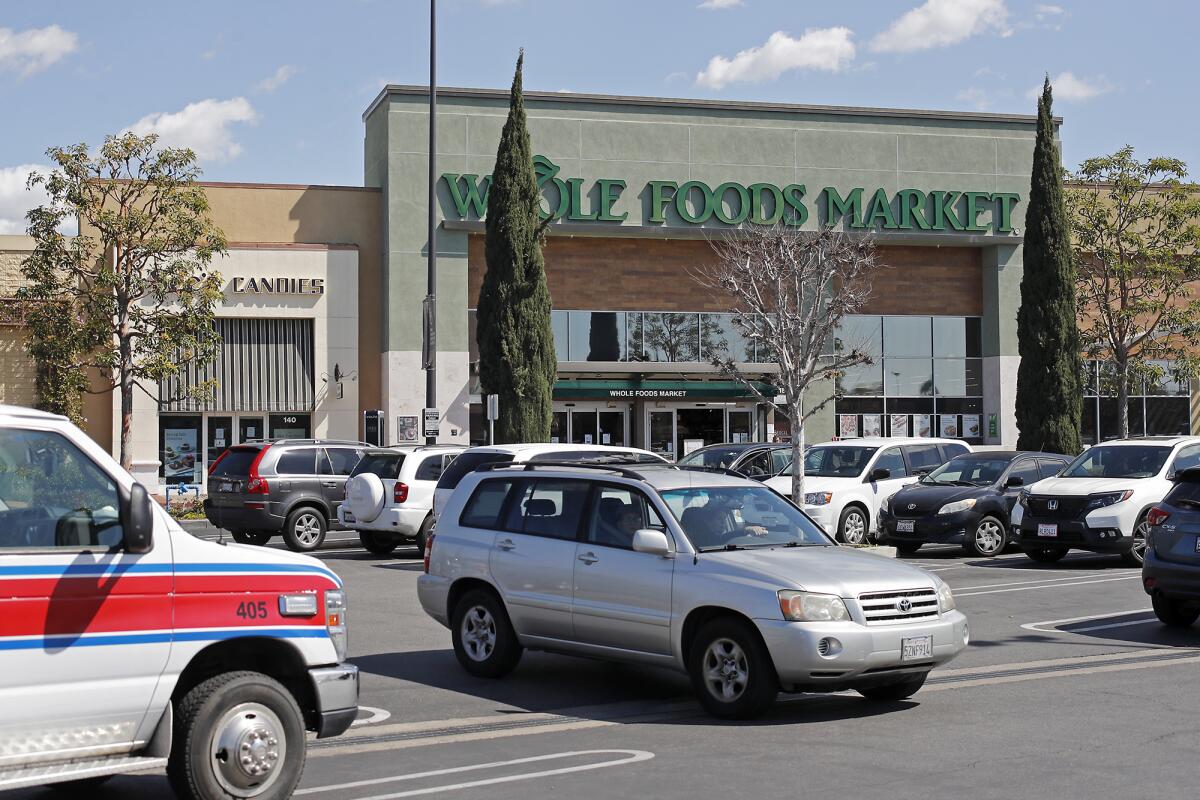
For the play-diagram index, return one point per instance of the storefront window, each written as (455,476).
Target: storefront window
(179,448)
(1157,407)
(863,379)
(558,427)
(719,336)
(559,325)
(907,336)
(908,377)
(860,333)
(958,377)
(671,337)
(957,337)
(596,336)
(291,426)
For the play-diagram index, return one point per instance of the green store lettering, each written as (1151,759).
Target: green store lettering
(695,202)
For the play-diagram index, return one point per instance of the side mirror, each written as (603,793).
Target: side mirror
(649,540)
(137,520)
(1014,481)
(880,474)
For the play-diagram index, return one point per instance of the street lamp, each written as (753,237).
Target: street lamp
(429,310)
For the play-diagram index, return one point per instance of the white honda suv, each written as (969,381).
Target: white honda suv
(1099,502)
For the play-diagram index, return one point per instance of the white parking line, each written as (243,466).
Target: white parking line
(1029,582)
(376,716)
(1040,627)
(627,757)
(1044,586)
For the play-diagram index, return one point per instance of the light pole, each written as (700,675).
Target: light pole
(430,306)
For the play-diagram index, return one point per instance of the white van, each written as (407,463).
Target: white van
(846,482)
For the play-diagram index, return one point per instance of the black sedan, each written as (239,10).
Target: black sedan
(968,501)
(758,460)
(1171,569)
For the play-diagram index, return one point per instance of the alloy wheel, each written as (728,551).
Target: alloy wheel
(726,670)
(478,633)
(989,538)
(308,529)
(854,529)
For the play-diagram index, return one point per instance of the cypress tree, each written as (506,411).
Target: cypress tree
(1049,395)
(516,343)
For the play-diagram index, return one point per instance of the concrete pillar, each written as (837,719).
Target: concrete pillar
(1002,271)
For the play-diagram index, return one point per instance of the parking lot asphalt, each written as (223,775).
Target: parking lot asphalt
(1070,688)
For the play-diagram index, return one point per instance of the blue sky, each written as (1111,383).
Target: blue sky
(274,91)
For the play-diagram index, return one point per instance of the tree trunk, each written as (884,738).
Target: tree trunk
(797,453)
(126,388)
(1123,397)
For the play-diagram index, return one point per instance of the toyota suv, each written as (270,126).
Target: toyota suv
(711,574)
(291,487)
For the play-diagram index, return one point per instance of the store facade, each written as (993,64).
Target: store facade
(638,188)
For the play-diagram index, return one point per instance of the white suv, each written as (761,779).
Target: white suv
(389,496)
(475,457)
(846,482)
(1099,502)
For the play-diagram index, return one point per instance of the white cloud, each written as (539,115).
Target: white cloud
(718,4)
(974,96)
(27,52)
(940,23)
(15,200)
(828,49)
(279,78)
(203,126)
(1071,89)
(1047,11)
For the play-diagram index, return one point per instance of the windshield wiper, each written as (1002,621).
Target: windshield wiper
(718,548)
(803,544)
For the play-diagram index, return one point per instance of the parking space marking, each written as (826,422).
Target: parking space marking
(1040,627)
(376,716)
(967,591)
(626,757)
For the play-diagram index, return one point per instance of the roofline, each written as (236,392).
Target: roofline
(243,185)
(722,105)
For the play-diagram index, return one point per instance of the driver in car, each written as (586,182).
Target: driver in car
(720,519)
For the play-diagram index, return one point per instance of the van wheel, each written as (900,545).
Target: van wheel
(424,534)
(380,544)
(895,692)
(1174,613)
(484,640)
(251,537)
(1046,555)
(305,529)
(852,526)
(239,734)
(732,672)
(987,540)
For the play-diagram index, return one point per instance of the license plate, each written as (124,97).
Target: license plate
(347,516)
(225,486)
(916,648)
(904,526)
(1047,529)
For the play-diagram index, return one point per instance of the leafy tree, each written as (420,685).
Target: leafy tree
(516,343)
(1049,398)
(1135,227)
(131,298)
(789,292)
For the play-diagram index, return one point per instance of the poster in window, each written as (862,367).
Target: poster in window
(972,426)
(899,424)
(872,424)
(924,424)
(848,426)
(692,445)
(949,425)
(406,429)
(179,454)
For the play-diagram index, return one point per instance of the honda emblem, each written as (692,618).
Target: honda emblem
(1052,505)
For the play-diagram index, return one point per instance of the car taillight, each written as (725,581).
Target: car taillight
(1157,516)
(258,484)
(400,493)
(428,551)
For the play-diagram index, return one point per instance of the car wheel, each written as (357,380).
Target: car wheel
(1047,555)
(908,548)
(251,537)
(239,734)
(732,672)
(852,526)
(484,640)
(424,534)
(1175,613)
(380,544)
(987,540)
(305,529)
(894,692)
(1136,554)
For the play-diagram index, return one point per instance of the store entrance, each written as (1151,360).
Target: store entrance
(697,427)
(675,432)
(591,425)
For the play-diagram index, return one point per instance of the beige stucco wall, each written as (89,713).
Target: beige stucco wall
(18,372)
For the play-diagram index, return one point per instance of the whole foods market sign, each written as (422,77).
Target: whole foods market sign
(731,203)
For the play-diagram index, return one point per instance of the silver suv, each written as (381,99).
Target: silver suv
(701,571)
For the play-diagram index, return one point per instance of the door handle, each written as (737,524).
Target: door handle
(588,557)
(505,544)
(330,484)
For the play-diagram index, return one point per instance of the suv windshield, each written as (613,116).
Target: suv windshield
(714,457)
(236,462)
(466,463)
(968,472)
(1118,461)
(836,461)
(737,517)
(385,465)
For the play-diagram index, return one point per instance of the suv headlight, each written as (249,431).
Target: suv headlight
(1023,498)
(818,498)
(945,597)
(956,506)
(335,621)
(809,607)
(1107,499)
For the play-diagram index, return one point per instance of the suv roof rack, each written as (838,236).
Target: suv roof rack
(628,469)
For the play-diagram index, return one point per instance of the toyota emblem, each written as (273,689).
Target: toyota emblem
(1052,505)
(904,605)
(911,506)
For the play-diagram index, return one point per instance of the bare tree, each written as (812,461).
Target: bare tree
(788,291)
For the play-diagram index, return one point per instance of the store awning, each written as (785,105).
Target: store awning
(656,390)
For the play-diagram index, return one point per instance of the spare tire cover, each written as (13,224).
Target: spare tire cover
(365,496)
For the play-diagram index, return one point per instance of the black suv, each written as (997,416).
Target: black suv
(291,487)
(967,500)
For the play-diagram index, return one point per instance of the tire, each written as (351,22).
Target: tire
(987,540)
(258,538)
(424,533)
(1136,554)
(365,496)
(484,640)
(853,526)
(908,548)
(1047,555)
(305,529)
(380,544)
(732,672)
(895,692)
(1175,613)
(238,710)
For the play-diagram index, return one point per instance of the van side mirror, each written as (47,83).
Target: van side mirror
(137,520)
(649,540)
(880,474)
(1014,481)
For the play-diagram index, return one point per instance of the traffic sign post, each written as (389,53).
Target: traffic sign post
(431,423)
(493,414)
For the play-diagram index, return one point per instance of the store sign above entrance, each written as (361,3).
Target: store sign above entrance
(583,389)
(241,285)
(731,203)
